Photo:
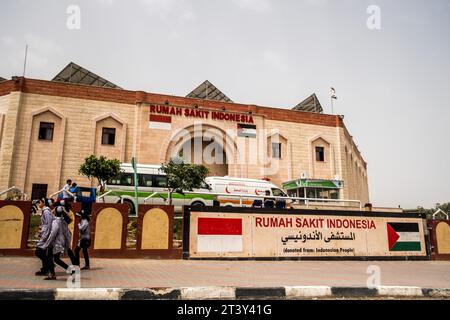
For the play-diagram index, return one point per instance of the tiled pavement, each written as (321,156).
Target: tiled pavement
(18,272)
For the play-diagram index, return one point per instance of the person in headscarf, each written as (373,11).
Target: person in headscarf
(55,245)
(84,240)
(65,225)
(44,232)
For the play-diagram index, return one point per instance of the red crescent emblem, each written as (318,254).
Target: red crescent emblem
(226,190)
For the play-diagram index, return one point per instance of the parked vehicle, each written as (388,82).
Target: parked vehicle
(151,182)
(152,189)
(242,186)
(85,195)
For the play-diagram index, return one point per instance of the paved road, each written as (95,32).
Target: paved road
(18,272)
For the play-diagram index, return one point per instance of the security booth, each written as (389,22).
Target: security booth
(314,188)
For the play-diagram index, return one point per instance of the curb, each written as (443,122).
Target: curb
(88,294)
(222,293)
(27,294)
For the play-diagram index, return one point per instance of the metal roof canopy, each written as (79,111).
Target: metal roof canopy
(208,91)
(310,104)
(2,79)
(74,73)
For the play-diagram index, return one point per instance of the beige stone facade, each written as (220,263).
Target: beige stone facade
(79,113)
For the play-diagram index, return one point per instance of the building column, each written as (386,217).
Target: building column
(10,126)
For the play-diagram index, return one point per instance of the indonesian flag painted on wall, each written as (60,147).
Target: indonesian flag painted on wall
(160,122)
(403,236)
(219,235)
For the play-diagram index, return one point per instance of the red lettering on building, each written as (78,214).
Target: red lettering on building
(199,113)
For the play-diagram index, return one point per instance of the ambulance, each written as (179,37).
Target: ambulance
(241,187)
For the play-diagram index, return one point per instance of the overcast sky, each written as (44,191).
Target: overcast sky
(392,83)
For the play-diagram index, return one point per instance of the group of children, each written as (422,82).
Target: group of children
(55,237)
(70,190)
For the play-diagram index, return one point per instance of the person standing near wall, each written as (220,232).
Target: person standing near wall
(85,239)
(44,233)
(66,194)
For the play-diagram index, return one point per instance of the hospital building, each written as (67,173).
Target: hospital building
(48,128)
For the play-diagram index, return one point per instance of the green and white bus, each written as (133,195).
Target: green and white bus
(151,181)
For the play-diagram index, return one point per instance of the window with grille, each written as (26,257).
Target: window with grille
(109,136)
(276,150)
(38,191)
(320,154)
(46,130)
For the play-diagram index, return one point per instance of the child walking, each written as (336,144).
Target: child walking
(65,211)
(85,239)
(44,233)
(55,246)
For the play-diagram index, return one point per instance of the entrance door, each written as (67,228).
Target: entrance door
(38,191)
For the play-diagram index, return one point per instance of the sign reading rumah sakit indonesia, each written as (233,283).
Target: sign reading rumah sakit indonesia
(168,111)
(215,234)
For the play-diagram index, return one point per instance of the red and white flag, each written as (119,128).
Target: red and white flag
(219,235)
(160,122)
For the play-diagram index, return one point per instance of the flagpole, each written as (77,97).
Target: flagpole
(332,96)
(332,111)
(25,61)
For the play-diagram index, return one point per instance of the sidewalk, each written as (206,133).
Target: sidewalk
(18,273)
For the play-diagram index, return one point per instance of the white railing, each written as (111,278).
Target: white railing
(24,195)
(238,196)
(102,197)
(58,192)
(308,201)
(440,211)
(108,192)
(150,196)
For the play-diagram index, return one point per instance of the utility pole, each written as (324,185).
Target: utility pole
(136,199)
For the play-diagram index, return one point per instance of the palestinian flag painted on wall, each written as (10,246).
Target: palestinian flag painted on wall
(403,236)
(246,130)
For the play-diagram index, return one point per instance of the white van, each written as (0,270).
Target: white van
(151,181)
(242,186)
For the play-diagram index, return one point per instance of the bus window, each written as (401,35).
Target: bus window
(160,181)
(114,182)
(145,180)
(125,179)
